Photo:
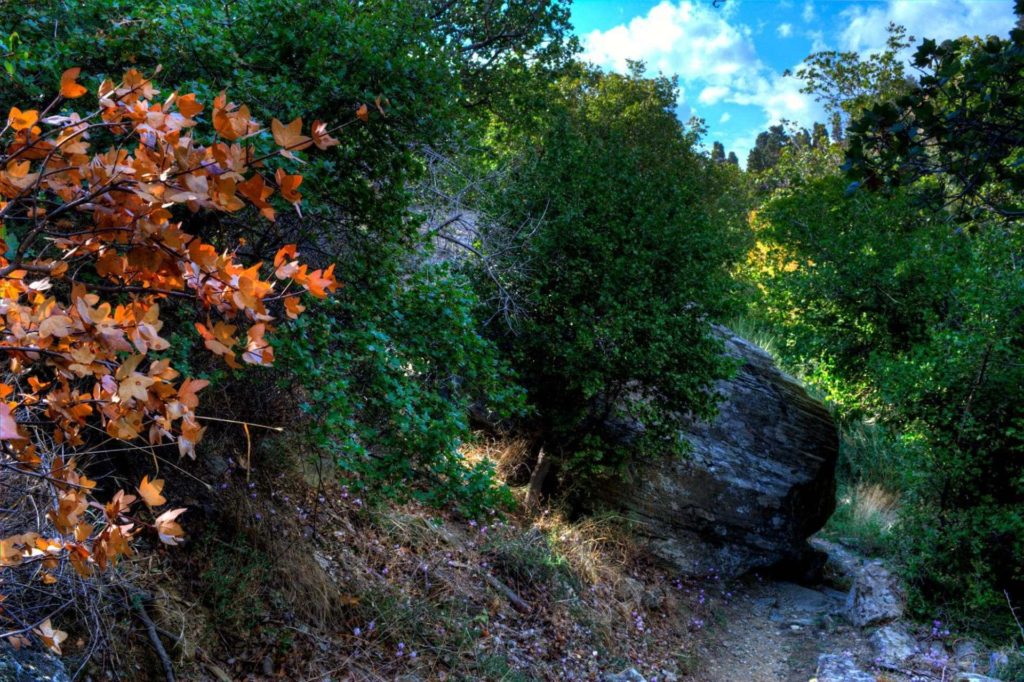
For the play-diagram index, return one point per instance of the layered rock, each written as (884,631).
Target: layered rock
(759,478)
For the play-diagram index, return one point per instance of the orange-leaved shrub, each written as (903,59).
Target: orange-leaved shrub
(92,243)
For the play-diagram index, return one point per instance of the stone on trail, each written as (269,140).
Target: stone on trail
(876,596)
(630,675)
(841,668)
(758,481)
(893,645)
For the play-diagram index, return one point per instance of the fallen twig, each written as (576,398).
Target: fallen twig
(154,636)
(518,602)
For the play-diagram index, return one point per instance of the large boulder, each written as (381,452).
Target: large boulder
(758,480)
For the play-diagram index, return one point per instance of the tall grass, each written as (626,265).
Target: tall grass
(755,332)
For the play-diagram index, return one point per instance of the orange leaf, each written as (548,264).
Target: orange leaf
(168,529)
(22,120)
(292,307)
(187,392)
(320,136)
(257,350)
(150,491)
(55,325)
(188,106)
(290,136)
(256,190)
(8,427)
(50,636)
(320,282)
(68,86)
(363,113)
(284,253)
(135,387)
(288,184)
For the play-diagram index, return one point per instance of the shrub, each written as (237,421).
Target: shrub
(624,271)
(907,315)
(93,247)
(389,397)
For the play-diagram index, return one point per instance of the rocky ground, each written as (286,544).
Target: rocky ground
(849,629)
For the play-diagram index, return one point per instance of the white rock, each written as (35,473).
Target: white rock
(630,675)
(893,645)
(841,668)
(875,596)
(965,653)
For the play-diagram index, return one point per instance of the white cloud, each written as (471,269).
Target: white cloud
(690,39)
(865,27)
(712,94)
(715,57)
(817,39)
(780,98)
(712,55)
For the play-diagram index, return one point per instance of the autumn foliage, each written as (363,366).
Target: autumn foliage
(92,245)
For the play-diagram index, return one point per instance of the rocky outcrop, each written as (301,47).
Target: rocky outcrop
(759,478)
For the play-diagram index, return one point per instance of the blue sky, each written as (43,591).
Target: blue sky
(730,60)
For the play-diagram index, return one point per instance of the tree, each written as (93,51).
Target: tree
(899,293)
(733,159)
(94,250)
(627,263)
(440,69)
(717,152)
(767,148)
(846,83)
(500,47)
(958,126)
(819,136)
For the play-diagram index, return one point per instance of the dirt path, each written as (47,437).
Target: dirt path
(777,631)
(774,632)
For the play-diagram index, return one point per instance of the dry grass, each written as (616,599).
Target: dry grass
(873,504)
(350,583)
(603,557)
(598,549)
(511,457)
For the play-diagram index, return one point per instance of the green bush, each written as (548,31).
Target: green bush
(392,364)
(626,267)
(390,396)
(904,315)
